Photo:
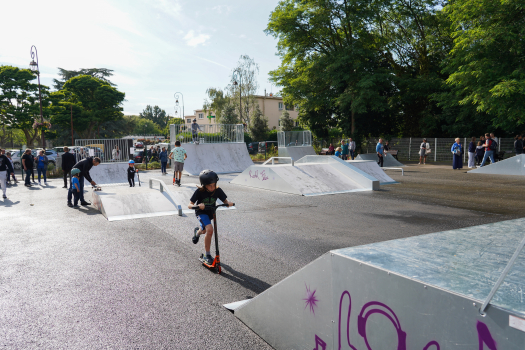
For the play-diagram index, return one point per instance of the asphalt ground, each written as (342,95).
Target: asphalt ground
(69,279)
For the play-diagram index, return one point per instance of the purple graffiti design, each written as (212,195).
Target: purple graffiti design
(319,343)
(310,300)
(369,309)
(484,337)
(262,177)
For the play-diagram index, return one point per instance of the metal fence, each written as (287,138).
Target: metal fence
(108,150)
(408,148)
(207,133)
(294,138)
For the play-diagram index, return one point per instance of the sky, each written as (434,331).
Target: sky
(156,48)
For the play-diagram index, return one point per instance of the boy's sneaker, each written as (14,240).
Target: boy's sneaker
(4,196)
(70,204)
(195,238)
(39,184)
(208,259)
(45,183)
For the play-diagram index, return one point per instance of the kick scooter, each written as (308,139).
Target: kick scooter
(216,264)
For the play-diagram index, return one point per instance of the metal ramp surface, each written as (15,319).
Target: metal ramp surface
(222,158)
(422,292)
(111,174)
(124,203)
(310,176)
(373,169)
(389,160)
(510,166)
(296,152)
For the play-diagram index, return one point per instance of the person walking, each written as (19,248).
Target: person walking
(380,152)
(85,166)
(457,152)
(5,170)
(41,166)
(351,148)
(28,164)
(518,144)
(68,160)
(423,151)
(163,157)
(344,147)
(472,153)
(490,147)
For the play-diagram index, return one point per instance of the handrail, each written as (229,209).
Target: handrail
(272,159)
(502,277)
(164,188)
(402,171)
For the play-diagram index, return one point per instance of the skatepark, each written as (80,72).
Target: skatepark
(88,281)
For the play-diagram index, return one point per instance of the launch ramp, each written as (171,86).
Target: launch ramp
(372,168)
(509,166)
(422,292)
(222,158)
(388,162)
(110,174)
(310,176)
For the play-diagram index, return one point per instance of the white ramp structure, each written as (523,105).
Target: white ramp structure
(310,176)
(110,174)
(295,144)
(222,158)
(431,292)
(510,166)
(373,169)
(388,162)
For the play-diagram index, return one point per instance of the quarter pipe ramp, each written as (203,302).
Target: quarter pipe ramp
(421,292)
(310,176)
(510,166)
(110,174)
(220,157)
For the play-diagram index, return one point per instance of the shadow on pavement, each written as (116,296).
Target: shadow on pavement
(8,203)
(248,282)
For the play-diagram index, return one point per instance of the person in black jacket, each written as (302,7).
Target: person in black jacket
(68,161)
(131,173)
(85,166)
(5,170)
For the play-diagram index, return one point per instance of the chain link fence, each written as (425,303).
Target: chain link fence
(108,150)
(207,133)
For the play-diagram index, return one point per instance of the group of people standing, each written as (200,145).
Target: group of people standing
(478,153)
(345,151)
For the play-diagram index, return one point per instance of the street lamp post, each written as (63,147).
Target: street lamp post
(237,73)
(179,96)
(145,155)
(34,68)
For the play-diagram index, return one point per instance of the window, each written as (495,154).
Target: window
(201,115)
(188,120)
(280,106)
(296,123)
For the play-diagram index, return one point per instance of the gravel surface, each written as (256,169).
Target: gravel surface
(72,280)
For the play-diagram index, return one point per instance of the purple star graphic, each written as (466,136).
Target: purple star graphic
(310,300)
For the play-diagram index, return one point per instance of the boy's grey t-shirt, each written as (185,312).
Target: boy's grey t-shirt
(178,154)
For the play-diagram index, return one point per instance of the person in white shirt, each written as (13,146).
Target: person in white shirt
(423,148)
(351,148)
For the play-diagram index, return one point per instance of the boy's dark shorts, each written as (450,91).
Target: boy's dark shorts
(178,166)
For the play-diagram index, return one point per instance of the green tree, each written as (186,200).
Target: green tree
(19,101)
(486,64)
(229,115)
(286,122)
(156,115)
(216,101)
(258,126)
(145,126)
(99,102)
(243,86)
(100,73)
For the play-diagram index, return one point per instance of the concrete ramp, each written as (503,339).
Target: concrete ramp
(373,169)
(421,293)
(222,158)
(329,175)
(510,166)
(111,174)
(389,160)
(296,152)
(183,194)
(124,203)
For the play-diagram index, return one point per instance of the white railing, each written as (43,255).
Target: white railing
(207,133)
(274,158)
(294,138)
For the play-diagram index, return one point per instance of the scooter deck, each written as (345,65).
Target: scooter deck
(215,265)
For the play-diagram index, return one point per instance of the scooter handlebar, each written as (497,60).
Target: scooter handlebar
(195,207)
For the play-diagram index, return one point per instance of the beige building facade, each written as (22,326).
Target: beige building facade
(271,106)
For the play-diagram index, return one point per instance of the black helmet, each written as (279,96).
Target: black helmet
(194,120)
(208,177)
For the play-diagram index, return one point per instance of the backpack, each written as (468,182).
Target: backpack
(493,145)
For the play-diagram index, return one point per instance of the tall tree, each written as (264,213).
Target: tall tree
(258,126)
(243,92)
(156,115)
(216,101)
(100,73)
(19,101)
(286,122)
(487,62)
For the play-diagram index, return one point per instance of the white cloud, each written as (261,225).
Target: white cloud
(195,40)
(170,7)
